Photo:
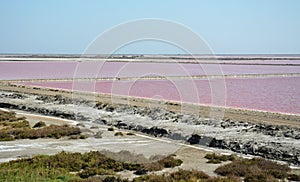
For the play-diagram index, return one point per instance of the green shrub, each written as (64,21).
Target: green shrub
(110,129)
(216,159)
(20,124)
(293,177)
(15,124)
(167,162)
(170,162)
(187,175)
(44,168)
(153,166)
(94,171)
(18,128)
(4,136)
(256,178)
(114,179)
(85,168)
(53,131)
(183,175)
(255,168)
(8,116)
(39,124)
(83,137)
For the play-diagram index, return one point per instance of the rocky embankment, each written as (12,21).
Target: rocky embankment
(269,141)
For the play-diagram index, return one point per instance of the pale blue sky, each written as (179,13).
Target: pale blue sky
(228,26)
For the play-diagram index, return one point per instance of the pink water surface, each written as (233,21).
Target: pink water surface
(71,69)
(267,94)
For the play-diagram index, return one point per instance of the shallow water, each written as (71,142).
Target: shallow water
(71,69)
(267,94)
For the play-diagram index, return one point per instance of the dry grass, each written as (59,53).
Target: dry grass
(167,162)
(18,128)
(39,124)
(216,158)
(255,169)
(184,175)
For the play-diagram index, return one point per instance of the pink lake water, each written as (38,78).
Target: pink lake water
(267,94)
(14,70)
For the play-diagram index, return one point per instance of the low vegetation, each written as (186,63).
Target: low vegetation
(9,117)
(293,177)
(103,166)
(255,169)
(217,158)
(167,162)
(110,129)
(12,127)
(184,175)
(39,124)
(75,137)
(60,166)
(70,166)
(97,166)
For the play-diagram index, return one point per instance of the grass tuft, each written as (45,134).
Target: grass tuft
(216,159)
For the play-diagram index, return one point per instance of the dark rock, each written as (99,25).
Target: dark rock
(235,146)
(194,139)
(250,148)
(121,125)
(16,96)
(200,140)
(288,133)
(217,143)
(177,136)
(205,140)
(9,106)
(155,131)
(139,128)
(109,108)
(224,125)
(100,121)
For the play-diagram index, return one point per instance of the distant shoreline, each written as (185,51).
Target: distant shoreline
(161,56)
